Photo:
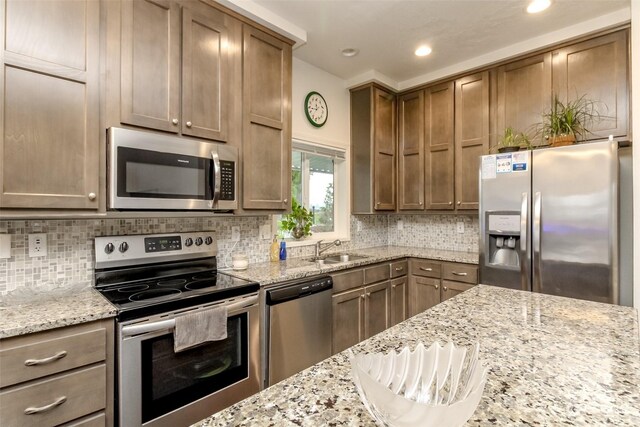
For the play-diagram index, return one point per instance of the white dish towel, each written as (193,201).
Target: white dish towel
(196,328)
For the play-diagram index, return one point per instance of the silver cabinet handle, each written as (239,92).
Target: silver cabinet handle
(450,203)
(393,286)
(421,203)
(459,202)
(368,294)
(399,268)
(362,296)
(444,288)
(189,124)
(426,269)
(92,196)
(285,200)
(174,121)
(458,274)
(36,362)
(32,411)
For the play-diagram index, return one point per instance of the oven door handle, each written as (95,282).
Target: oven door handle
(216,179)
(131,330)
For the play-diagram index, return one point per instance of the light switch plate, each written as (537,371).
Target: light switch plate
(460,227)
(37,245)
(265,231)
(359,226)
(400,225)
(5,246)
(235,234)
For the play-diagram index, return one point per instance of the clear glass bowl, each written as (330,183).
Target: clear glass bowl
(438,386)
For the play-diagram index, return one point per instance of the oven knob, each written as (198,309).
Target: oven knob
(208,240)
(109,248)
(188,242)
(123,247)
(198,241)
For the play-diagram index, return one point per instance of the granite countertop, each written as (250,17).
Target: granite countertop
(294,268)
(63,310)
(551,360)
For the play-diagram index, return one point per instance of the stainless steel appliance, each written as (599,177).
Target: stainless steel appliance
(152,279)
(549,222)
(161,172)
(298,326)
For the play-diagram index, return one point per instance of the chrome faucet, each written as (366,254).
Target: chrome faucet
(320,248)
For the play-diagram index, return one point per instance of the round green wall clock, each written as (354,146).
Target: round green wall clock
(315,107)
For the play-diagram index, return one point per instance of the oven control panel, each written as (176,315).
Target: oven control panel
(117,251)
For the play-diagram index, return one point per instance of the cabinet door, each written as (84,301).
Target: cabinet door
(451,289)
(150,64)
(399,306)
(439,143)
(377,306)
(411,151)
(524,94)
(471,136)
(205,94)
(348,318)
(424,293)
(266,146)
(384,143)
(49,115)
(597,69)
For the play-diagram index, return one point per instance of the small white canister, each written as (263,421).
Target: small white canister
(239,262)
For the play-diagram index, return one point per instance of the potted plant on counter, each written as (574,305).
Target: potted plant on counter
(566,122)
(511,140)
(298,222)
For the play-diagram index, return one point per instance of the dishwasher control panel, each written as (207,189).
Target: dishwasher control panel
(298,289)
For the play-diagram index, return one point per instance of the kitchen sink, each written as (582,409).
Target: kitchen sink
(338,258)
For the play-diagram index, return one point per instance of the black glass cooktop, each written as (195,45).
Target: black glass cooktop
(140,298)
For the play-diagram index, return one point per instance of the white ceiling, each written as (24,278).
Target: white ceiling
(388,31)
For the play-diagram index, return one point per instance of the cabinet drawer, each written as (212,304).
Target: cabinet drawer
(398,269)
(33,356)
(97,420)
(347,280)
(376,274)
(460,273)
(451,289)
(55,401)
(425,268)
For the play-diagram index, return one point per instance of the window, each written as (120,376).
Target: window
(318,182)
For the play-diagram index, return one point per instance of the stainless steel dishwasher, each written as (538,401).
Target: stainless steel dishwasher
(298,326)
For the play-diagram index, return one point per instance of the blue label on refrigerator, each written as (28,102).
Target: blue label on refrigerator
(520,161)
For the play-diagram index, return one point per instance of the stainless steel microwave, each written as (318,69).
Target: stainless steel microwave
(149,171)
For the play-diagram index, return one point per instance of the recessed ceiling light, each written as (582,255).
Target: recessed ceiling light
(423,51)
(349,52)
(538,6)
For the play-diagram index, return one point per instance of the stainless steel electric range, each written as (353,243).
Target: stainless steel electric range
(152,279)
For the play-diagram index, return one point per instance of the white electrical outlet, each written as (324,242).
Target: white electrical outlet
(400,225)
(265,231)
(460,227)
(37,245)
(5,246)
(235,234)
(359,226)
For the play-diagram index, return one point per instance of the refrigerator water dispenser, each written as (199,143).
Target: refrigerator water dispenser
(503,239)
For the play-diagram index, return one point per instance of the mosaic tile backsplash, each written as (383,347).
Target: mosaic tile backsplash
(70,242)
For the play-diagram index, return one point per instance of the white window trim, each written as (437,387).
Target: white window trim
(341,202)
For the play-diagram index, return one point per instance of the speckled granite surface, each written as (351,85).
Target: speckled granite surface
(272,272)
(84,306)
(552,361)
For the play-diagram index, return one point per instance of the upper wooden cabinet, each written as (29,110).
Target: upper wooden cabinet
(175,67)
(439,146)
(471,136)
(599,70)
(266,141)
(411,151)
(373,150)
(49,121)
(524,93)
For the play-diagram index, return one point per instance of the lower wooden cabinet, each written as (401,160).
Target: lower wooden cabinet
(399,300)
(348,315)
(451,289)
(58,376)
(424,292)
(377,304)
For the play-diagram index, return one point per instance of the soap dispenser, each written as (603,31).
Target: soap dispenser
(274,250)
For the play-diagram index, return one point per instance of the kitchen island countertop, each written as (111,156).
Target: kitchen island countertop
(267,273)
(551,360)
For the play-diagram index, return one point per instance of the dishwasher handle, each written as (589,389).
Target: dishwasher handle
(298,289)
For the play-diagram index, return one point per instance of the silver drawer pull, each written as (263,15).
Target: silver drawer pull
(458,274)
(32,411)
(36,362)
(426,269)
(399,268)
(444,288)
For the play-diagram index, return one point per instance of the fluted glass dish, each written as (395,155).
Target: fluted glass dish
(438,386)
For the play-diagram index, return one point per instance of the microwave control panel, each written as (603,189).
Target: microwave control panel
(227,181)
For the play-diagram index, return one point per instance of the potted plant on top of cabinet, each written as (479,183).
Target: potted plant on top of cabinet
(511,140)
(569,121)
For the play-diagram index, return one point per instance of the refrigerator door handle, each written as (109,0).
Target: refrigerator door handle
(524,210)
(537,229)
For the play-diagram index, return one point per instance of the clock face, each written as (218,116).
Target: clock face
(315,107)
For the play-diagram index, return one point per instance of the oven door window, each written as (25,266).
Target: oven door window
(171,380)
(153,174)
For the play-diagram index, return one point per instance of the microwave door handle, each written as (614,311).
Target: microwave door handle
(216,179)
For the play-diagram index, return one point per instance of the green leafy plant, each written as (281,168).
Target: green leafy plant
(298,222)
(512,138)
(570,118)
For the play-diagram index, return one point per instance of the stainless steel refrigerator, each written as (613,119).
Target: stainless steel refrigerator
(558,221)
